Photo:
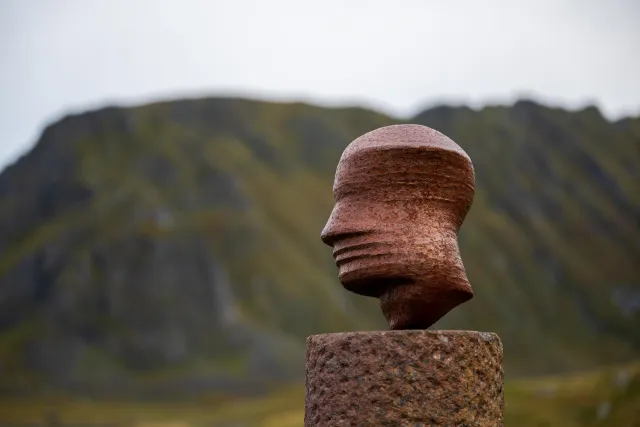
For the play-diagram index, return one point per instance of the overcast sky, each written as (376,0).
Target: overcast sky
(61,56)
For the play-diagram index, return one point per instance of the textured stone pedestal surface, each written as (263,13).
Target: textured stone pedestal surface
(404,378)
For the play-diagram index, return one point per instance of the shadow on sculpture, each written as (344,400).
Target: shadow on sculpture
(401,194)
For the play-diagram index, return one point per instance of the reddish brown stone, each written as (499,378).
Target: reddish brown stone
(401,195)
(404,378)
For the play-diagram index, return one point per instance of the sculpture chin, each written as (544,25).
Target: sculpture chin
(408,301)
(419,305)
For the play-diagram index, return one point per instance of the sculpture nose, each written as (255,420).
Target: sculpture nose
(332,229)
(336,231)
(328,234)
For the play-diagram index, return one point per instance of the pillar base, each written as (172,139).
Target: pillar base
(404,378)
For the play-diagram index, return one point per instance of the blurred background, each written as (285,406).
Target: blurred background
(167,169)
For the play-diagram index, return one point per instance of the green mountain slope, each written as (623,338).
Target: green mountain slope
(175,246)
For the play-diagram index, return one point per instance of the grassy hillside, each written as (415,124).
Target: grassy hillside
(174,247)
(604,398)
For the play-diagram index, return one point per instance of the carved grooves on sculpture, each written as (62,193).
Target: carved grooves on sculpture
(402,193)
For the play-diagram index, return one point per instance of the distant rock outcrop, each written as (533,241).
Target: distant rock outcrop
(175,246)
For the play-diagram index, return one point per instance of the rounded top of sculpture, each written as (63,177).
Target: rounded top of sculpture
(404,136)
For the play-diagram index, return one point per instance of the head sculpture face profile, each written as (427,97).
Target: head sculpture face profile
(401,194)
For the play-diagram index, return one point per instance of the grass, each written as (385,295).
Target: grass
(204,411)
(604,398)
(609,397)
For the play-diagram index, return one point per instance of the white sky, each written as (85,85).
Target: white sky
(398,56)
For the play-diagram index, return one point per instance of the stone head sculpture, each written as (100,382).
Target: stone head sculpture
(401,194)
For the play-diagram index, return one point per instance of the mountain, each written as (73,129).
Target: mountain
(174,247)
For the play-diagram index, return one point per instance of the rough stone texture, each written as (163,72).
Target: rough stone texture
(401,194)
(404,378)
